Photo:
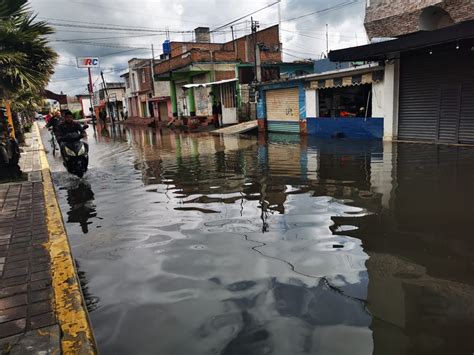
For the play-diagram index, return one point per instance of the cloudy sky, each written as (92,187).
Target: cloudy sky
(117,30)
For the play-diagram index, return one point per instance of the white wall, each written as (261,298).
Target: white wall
(378,89)
(86,104)
(312,103)
(391,99)
(201,96)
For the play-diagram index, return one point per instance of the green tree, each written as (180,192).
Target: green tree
(26,60)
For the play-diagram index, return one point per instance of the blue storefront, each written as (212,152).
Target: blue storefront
(341,104)
(281,105)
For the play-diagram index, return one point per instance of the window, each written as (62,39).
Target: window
(143,76)
(133,82)
(351,101)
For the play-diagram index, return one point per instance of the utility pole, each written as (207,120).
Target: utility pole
(254,26)
(279,26)
(327,41)
(91,94)
(107,94)
(152,74)
(233,38)
(152,63)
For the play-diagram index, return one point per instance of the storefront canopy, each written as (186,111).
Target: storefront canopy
(366,74)
(203,85)
(391,48)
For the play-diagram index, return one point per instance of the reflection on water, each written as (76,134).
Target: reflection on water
(199,244)
(81,201)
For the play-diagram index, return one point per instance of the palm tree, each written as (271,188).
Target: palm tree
(26,60)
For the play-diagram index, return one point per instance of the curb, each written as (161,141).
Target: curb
(76,332)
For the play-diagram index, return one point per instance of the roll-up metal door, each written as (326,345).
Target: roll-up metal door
(419,99)
(449,111)
(282,105)
(466,125)
(436,95)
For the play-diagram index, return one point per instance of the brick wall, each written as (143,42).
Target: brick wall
(184,53)
(390,18)
(195,55)
(178,48)
(173,63)
(224,75)
(144,73)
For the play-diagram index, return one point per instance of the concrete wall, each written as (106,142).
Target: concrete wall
(378,89)
(162,88)
(391,99)
(312,104)
(86,104)
(389,18)
(201,95)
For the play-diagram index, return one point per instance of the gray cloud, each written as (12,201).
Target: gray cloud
(302,38)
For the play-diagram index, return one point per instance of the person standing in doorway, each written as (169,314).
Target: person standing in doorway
(102,116)
(219,113)
(215,115)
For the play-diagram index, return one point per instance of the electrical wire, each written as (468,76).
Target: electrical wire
(331,8)
(98,38)
(247,15)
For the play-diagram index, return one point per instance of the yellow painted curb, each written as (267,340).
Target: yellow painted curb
(76,332)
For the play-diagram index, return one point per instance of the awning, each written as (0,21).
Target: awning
(353,80)
(390,49)
(203,85)
(159,98)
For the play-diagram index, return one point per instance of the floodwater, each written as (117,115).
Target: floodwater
(199,244)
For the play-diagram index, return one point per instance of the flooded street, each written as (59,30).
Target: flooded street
(200,244)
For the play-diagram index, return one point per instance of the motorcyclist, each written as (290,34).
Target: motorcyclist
(54,121)
(69,130)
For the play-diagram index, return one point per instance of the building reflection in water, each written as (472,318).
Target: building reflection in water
(387,268)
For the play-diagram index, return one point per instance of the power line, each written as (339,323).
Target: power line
(125,51)
(291,55)
(331,8)
(126,10)
(109,45)
(98,38)
(242,17)
(104,27)
(321,37)
(299,52)
(95,23)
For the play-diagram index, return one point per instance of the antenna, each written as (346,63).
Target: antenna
(279,25)
(327,39)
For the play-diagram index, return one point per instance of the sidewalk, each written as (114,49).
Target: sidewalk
(37,314)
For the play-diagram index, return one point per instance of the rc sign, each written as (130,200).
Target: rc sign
(87,62)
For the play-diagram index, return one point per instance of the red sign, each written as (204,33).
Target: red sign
(87,62)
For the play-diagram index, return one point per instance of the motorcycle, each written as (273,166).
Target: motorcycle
(9,154)
(75,154)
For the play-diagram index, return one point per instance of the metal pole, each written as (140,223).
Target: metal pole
(107,94)
(327,41)
(367,106)
(279,26)
(152,71)
(152,63)
(10,118)
(91,93)
(254,35)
